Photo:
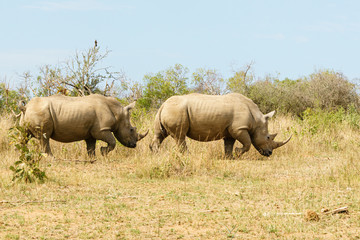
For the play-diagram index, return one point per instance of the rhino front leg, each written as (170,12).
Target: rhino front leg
(229,145)
(107,137)
(90,146)
(44,138)
(45,145)
(244,138)
(44,142)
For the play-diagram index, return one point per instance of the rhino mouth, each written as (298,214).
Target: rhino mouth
(127,144)
(266,153)
(131,145)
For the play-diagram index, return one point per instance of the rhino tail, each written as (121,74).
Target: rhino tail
(160,125)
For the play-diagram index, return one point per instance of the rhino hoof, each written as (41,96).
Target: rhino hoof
(103,151)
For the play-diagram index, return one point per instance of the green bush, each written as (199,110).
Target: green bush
(27,167)
(8,99)
(330,90)
(317,120)
(163,85)
(326,90)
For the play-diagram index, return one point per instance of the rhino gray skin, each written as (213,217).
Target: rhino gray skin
(208,117)
(90,118)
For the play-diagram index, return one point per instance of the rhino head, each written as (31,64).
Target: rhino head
(262,140)
(125,133)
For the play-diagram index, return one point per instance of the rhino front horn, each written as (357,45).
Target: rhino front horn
(141,136)
(279,144)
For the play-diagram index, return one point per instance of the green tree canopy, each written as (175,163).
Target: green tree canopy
(207,81)
(164,84)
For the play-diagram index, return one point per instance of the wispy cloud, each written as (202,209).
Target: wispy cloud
(283,37)
(332,27)
(33,56)
(276,36)
(74,5)
(301,39)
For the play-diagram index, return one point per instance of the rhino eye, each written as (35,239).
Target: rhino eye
(268,137)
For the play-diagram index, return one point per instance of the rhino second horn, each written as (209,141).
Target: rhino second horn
(279,144)
(141,136)
(272,136)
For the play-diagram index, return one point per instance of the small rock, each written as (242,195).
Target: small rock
(324,210)
(311,216)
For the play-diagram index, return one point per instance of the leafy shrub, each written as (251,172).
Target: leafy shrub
(286,96)
(327,90)
(241,80)
(27,167)
(317,120)
(330,90)
(8,98)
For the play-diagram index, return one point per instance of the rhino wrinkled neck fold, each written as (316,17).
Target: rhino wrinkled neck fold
(279,144)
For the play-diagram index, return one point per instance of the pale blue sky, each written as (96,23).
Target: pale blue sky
(292,38)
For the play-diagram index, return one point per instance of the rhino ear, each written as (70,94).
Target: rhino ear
(130,106)
(269,115)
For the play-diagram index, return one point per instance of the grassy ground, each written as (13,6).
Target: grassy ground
(134,194)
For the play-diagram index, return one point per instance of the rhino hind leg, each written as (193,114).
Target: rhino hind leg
(181,144)
(107,137)
(157,140)
(179,135)
(90,146)
(228,146)
(160,134)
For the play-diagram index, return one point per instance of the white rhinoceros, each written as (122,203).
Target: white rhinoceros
(209,117)
(90,118)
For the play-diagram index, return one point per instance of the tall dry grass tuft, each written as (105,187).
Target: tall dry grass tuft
(6,122)
(311,139)
(7,151)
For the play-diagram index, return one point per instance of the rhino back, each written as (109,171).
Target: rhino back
(71,118)
(205,117)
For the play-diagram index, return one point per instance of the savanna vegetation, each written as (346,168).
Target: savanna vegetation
(135,194)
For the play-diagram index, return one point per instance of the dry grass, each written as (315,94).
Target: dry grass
(134,194)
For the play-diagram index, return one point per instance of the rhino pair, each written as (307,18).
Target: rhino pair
(200,117)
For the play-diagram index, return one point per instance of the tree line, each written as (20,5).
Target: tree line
(82,75)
